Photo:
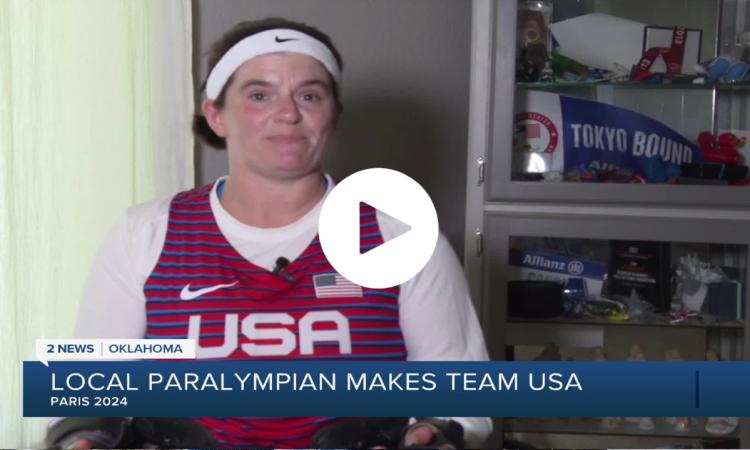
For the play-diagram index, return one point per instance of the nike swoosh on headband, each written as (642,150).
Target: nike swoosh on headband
(187,294)
(269,41)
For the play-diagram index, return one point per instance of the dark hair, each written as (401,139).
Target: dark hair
(235,35)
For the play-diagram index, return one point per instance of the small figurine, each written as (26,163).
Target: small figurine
(550,353)
(721,426)
(693,277)
(611,422)
(682,424)
(673,355)
(644,423)
(636,354)
(547,75)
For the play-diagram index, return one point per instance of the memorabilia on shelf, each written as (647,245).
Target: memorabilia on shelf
(643,267)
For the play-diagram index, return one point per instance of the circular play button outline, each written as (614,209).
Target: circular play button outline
(396,260)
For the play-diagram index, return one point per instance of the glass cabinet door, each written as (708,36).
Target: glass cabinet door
(621,101)
(592,288)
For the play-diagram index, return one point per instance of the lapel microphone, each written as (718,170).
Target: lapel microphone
(280,269)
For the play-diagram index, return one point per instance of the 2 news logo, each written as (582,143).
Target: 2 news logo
(76,349)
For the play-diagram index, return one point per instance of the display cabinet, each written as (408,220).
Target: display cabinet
(683,106)
(535,216)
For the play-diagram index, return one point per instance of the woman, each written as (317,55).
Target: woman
(237,264)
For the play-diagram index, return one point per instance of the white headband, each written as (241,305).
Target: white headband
(270,41)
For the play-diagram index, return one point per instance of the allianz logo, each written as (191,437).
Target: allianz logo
(573,267)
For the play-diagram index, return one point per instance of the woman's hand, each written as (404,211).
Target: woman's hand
(424,434)
(82,444)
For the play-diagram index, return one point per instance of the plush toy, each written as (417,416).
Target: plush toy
(723,149)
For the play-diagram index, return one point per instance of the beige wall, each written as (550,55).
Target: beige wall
(405,87)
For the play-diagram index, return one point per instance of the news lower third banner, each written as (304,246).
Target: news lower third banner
(271,388)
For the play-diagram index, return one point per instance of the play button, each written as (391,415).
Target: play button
(394,194)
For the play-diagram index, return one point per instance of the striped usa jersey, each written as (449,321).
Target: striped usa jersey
(202,288)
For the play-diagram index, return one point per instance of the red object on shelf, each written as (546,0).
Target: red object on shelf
(723,149)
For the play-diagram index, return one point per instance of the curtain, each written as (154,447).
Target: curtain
(96,99)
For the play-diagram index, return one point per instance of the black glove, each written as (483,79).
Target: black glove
(104,432)
(387,432)
(120,432)
(364,432)
(169,432)
(445,433)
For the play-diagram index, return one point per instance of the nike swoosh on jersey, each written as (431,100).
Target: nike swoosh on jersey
(187,294)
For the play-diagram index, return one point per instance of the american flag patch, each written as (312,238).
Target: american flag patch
(329,285)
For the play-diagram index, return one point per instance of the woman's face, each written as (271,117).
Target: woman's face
(278,113)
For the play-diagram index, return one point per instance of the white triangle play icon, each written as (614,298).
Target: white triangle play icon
(395,196)
(401,227)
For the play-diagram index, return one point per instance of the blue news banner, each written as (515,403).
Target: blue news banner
(226,388)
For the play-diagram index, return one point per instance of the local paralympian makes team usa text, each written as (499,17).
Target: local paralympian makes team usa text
(283,381)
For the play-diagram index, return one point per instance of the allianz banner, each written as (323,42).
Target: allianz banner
(561,133)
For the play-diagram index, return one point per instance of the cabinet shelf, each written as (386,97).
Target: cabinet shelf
(595,426)
(660,322)
(571,85)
